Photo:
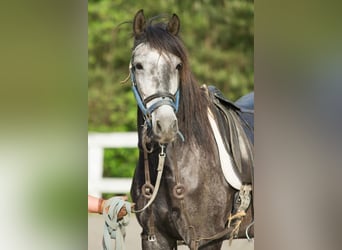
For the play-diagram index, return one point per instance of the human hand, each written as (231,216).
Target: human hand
(106,204)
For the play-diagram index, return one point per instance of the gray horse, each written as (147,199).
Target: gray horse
(194,178)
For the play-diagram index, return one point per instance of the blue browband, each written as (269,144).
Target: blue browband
(167,99)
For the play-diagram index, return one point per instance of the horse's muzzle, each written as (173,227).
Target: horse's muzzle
(166,132)
(164,125)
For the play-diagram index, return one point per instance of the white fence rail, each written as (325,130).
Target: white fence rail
(97,142)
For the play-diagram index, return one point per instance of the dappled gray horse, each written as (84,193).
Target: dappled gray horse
(193,182)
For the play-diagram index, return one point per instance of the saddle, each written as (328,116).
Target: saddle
(238,135)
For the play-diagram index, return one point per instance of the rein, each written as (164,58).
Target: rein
(147,187)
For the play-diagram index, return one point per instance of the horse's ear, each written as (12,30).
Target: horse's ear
(139,23)
(173,25)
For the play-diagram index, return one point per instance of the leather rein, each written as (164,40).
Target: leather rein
(148,190)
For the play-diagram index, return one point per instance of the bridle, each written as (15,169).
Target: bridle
(166,98)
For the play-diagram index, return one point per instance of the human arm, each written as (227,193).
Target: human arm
(95,205)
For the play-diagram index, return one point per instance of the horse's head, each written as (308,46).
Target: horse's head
(155,70)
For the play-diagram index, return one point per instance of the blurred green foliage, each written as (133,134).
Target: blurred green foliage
(218,34)
(122,155)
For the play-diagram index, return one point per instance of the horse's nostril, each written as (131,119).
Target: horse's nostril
(159,128)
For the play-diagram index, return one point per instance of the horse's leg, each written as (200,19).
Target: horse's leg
(161,242)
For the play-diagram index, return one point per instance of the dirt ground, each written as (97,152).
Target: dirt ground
(132,241)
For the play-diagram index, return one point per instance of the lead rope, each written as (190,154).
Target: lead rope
(114,229)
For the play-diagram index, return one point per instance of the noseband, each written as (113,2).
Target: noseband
(166,99)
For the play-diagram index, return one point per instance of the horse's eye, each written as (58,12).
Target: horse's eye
(138,66)
(179,66)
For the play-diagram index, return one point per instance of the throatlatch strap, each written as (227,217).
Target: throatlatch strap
(114,229)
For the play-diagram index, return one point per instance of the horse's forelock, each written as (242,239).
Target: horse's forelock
(160,39)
